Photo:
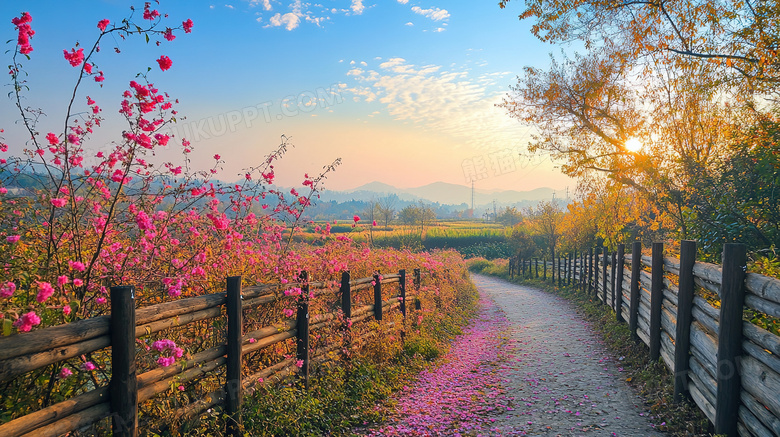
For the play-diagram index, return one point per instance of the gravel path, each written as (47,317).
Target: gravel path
(527,365)
(562,378)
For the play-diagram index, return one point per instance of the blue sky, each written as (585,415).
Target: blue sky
(402,91)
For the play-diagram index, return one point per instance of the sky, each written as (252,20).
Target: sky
(403,91)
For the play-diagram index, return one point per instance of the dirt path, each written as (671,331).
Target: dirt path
(528,365)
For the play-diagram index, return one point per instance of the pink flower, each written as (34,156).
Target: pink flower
(169,34)
(217,157)
(100,77)
(27,321)
(25,32)
(150,14)
(101,300)
(78,282)
(59,202)
(356,219)
(3,190)
(252,340)
(62,280)
(181,388)
(164,62)
(66,310)
(102,24)
(299,363)
(76,265)
(53,140)
(88,366)
(12,238)
(373,223)
(168,350)
(187,25)
(7,289)
(45,290)
(75,57)
(65,372)
(88,68)
(288,312)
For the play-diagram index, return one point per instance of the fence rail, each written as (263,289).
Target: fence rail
(690,315)
(119,399)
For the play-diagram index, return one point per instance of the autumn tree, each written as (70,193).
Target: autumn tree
(546,220)
(685,78)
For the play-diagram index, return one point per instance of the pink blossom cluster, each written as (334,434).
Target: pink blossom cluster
(27,321)
(22,24)
(168,350)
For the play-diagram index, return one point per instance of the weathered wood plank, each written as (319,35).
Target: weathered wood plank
(755,351)
(763,305)
(708,322)
(758,410)
(702,402)
(763,287)
(752,424)
(704,342)
(707,285)
(74,421)
(53,337)
(704,380)
(53,413)
(761,382)
(761,337)
(707,271)
(23,364)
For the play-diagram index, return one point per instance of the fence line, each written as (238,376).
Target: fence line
(728,366)
(119,400)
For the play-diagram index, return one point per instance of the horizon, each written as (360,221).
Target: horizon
(403,92)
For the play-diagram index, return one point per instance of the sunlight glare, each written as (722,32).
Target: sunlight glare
(633,145)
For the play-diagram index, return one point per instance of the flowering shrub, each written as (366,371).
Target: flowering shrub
(75,222)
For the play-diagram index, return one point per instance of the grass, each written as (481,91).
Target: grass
(652,380)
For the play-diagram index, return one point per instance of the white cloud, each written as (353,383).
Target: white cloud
(409,24)
(289,20)
(403,2)
(229,6)
(357,7)
(449,101)
(433,13)
(266,4)
(439,29)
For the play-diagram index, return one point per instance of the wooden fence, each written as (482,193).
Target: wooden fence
(119,399)
(690,314)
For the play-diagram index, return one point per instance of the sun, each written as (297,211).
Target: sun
(633,145)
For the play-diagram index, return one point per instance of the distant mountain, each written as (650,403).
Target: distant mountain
(442,193)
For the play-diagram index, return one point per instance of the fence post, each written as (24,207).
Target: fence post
(570,270)
(596,253)
(605,277)
(561,270)
(614,277)
(302,328)
(656,296)
(417,281)
(377,297)
(633,312)
(682,342)
(582,272)
(124,388)
(544,269)
(536,268)
(233,367)
(589,283)
(620,266)
(402,285)
(732,298)
(511,264)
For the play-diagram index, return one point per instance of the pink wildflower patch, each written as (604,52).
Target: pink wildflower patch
(12,238)
(168,350)
(65,373)
(59,202)
(8,289)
